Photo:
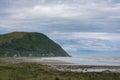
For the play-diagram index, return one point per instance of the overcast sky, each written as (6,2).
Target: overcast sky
(79,26)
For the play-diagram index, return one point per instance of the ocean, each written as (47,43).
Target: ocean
(84,60)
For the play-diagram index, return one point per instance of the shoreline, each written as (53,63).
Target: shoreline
(65,66)
(85,68)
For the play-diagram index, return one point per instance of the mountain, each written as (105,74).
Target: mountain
(29,44)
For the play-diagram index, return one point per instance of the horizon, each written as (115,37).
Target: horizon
(81,27)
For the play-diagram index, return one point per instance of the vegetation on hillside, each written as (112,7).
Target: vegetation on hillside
(29,44)
(35,71)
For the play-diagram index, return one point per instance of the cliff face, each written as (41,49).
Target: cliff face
(29,44)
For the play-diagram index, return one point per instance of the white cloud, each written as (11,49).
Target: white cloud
(90,44)
(75,11)
(71,47)
(79,35)
(96,41)
(46,11)
(101,14)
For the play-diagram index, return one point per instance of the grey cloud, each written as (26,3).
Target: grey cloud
(91,15)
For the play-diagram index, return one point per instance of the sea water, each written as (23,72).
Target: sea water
(84,60)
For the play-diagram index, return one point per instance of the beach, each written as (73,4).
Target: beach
(70,64)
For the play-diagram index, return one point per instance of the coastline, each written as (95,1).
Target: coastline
(64,66)
(86,68)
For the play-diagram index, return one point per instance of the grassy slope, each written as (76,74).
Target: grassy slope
(29,43)
(35,71)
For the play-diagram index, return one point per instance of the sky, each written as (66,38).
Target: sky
(81,27)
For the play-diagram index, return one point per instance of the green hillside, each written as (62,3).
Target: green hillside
(30,44)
